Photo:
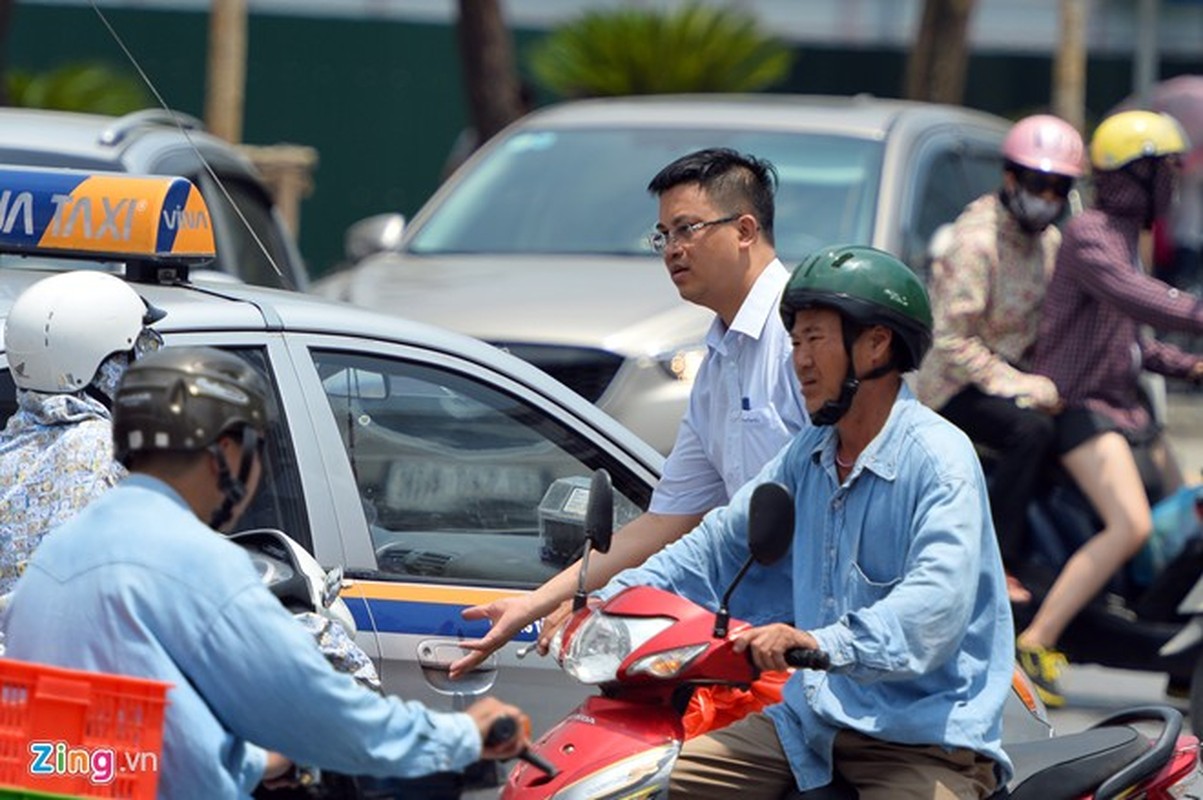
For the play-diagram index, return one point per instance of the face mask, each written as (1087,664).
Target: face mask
(108,375)
(1033,212)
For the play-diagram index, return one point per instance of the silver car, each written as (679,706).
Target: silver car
(538,244)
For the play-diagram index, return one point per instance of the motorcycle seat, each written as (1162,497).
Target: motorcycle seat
(1072,765)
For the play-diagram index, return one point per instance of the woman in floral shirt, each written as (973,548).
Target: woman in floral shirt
(986,292)
(68,340)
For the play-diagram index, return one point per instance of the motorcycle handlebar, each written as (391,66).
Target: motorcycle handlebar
(505,728)
(805,658)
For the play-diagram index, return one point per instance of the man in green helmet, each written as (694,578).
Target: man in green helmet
(894,570)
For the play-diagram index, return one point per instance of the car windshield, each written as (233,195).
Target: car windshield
(585,191)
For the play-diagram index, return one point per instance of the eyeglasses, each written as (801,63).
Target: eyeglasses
(1041,182)
(660,240)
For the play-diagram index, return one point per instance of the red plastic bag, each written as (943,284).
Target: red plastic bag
(714,707)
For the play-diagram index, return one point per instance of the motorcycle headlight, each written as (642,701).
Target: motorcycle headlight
(682,363)
(604,641)
(643,775)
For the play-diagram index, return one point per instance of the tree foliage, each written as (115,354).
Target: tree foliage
(89,86)
(696,48)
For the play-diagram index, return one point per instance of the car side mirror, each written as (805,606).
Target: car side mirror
(380,233)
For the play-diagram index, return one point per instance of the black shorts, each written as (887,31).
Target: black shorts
(1077,425)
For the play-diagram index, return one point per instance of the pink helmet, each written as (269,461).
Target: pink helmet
(1046,144)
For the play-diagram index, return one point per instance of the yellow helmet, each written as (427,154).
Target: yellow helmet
(1124,137)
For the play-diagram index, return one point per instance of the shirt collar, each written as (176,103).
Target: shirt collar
(758,308)
(881,456)
(144,481)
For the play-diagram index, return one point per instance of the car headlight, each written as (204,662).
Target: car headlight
(642,775)
(683,363)
(603,641)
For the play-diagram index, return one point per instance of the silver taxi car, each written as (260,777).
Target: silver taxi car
(439,471)
(539,242)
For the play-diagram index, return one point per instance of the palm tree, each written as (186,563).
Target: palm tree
(87,86)
(696,48)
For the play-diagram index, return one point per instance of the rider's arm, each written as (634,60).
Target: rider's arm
(1139,295)
(262,676)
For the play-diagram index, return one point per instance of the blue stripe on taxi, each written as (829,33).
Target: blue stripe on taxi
(419,609)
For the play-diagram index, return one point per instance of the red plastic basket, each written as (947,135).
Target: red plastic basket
(85,734)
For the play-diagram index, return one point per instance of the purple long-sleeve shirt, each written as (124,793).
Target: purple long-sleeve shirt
(1090,342)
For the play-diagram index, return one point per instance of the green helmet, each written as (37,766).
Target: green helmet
(868,286)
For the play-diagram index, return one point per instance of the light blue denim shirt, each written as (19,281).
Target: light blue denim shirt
(896,573)
(744,407)
(136,584)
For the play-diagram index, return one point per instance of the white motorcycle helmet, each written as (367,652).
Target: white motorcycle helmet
(62,328)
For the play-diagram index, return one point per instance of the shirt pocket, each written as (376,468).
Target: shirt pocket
(862,591)
(762,434)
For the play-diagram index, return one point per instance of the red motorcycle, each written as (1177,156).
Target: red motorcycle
(647,649)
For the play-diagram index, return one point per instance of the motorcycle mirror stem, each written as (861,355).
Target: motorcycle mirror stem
(599,528)
(770,533)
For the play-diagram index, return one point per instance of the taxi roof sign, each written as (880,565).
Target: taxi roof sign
(103,215)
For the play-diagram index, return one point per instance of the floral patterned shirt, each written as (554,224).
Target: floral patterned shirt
(56,456)
(986,293)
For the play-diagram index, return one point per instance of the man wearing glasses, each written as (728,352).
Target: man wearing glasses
(715,233)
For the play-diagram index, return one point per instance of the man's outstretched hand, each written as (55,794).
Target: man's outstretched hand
(508,616)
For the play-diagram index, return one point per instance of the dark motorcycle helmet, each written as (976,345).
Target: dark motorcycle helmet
(183,399)
(868,287)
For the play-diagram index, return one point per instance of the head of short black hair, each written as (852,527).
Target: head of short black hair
(737,183)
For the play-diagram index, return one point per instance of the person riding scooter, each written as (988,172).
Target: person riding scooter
(139,584)
(986,291)
(1092,346)
(894,573)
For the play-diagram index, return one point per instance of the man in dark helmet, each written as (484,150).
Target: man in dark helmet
(894,571)
(138,584)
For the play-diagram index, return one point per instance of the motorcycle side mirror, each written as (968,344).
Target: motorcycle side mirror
(770,523)
(599,528)
(770,533)
(599,513)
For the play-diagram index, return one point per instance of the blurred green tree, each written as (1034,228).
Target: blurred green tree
(698,47)
(87,86)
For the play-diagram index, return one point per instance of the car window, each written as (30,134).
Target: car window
(279,503)
(238,252)
(952,178)
(585,191)
(460,481)
(8,396)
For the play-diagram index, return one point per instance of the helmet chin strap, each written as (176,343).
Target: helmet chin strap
(233,489)
(833,411)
